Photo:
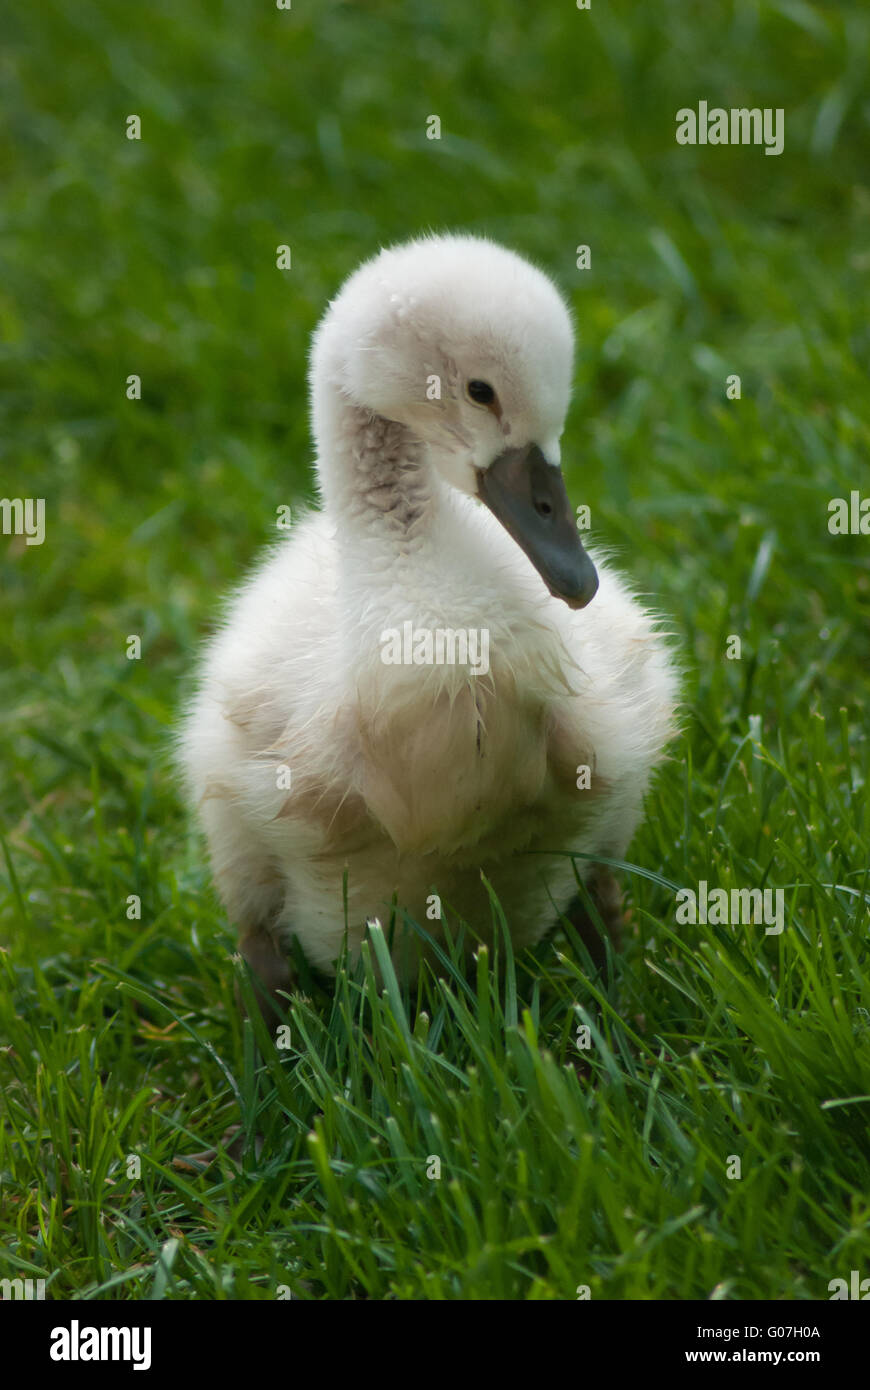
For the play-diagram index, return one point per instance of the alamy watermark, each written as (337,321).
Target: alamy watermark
(740,907)
(855,1288)
(440,646)
(742,125)
(25,1290)
(23,516)
(849,516)
(76,1343)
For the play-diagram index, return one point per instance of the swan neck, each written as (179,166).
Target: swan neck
(374,473)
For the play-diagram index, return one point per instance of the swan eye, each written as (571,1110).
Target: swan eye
(481,392)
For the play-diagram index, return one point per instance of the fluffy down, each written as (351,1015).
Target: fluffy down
(416,780)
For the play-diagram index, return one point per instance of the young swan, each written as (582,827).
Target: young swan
(428,679)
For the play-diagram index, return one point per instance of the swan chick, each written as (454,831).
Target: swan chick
(428,689)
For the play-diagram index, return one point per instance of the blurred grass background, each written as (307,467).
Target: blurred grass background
(157,257)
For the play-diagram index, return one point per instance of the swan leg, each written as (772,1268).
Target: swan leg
(606,895)
(272,972)
(252,891)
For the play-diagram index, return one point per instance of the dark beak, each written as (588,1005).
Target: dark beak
(528,496)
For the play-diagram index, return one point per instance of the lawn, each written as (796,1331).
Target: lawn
(609,1169)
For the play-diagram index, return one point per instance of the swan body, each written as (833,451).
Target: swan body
(328,750)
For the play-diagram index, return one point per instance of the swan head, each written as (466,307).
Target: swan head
(471,348)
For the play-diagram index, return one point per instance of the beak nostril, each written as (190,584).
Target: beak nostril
(543,508)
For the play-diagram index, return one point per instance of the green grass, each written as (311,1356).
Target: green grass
(559,1168)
